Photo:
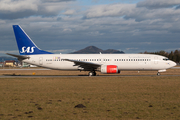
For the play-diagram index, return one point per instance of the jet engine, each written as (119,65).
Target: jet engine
(109,69)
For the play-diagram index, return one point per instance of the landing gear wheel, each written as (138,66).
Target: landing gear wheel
(92,73)
(158,74)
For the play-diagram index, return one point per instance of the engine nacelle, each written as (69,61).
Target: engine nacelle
(109,69)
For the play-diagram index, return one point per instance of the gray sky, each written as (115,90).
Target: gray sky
(64,26)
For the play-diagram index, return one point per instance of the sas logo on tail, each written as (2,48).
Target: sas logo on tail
(27,50)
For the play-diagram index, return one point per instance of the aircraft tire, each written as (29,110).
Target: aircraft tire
(158,74)
(92,73)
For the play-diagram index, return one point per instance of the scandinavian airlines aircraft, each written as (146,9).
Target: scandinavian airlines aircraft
(105,63)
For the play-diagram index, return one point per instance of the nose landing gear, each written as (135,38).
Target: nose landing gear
(159,71)
(158,74)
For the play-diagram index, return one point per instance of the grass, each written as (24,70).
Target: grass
(104,98)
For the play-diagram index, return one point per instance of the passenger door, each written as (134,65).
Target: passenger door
(41,61)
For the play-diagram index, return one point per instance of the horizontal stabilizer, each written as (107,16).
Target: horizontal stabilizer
(18,56)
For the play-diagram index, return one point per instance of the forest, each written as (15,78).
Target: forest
(173,55)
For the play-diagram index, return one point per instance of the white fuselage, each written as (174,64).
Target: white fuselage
(105,63)
(123,61)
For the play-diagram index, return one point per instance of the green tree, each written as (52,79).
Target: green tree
(170,56)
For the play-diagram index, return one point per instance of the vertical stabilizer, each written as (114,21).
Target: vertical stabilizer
(25,45)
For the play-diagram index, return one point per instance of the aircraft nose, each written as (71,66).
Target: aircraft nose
(173,64)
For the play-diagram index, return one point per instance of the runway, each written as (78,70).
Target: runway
(68,76)
(175,68)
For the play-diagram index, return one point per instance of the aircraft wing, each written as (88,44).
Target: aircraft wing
(88,66)
(20,57)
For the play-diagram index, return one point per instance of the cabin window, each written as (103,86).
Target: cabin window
(165,59)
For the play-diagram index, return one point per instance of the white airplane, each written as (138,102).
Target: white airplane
(105,63)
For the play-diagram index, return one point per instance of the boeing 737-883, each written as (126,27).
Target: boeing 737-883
(105,63)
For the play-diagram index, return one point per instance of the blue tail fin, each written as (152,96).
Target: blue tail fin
(25,45)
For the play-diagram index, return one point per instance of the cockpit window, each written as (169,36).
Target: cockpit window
(165,59)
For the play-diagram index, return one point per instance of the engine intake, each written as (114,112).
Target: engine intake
(109,69)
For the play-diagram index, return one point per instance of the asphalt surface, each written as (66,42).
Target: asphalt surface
(64,76)
(49,69)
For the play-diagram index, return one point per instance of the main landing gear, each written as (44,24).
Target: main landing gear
(92,73)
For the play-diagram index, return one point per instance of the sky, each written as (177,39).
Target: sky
(64,26)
